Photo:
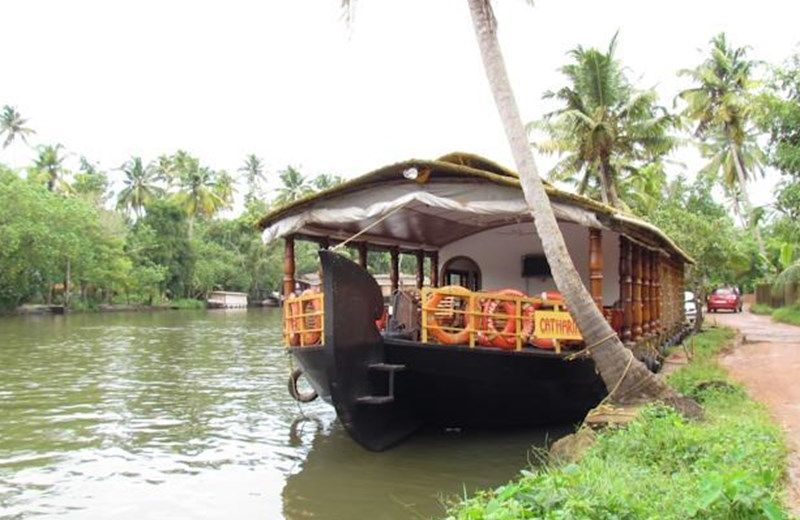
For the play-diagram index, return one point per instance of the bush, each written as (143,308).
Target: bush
(761,309)
(790,315)
(187,303)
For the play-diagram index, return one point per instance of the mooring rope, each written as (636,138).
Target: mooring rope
(588,350)
(347,241)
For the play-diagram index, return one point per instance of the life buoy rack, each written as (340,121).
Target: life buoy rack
(453,335)
(490,336)
(546,343)
(299,334)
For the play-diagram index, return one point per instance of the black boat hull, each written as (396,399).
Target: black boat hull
(385,388)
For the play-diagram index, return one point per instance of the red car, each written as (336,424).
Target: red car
(724,298)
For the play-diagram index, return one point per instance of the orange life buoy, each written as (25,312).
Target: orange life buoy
(543,342)
(311,337)
(454,335)
(380,323)
(505,339)
(291,308)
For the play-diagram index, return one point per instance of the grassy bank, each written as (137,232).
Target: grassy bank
(790,315)
(730,465)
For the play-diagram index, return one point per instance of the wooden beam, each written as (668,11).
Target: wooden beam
(435,269)
(657,298)
(362,254)
(646,272)
(625,288)
(394,268)
(288,265)
(596,266)
(420,268)
(636,270)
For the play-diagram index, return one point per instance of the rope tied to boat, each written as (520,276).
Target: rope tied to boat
(372,225)
(588,350)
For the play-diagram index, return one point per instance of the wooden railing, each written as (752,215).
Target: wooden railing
(456,315)
(304,320)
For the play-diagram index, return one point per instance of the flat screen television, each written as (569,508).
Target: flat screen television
(535,266)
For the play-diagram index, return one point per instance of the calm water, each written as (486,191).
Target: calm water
(186,415)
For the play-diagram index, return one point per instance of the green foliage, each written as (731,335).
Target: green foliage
(187,303)
(761,309)
(790,315)
(729,466)
(781,116)
(689,214)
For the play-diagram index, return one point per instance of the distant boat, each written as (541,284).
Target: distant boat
(226,300)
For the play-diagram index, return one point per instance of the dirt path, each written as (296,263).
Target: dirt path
(768,364)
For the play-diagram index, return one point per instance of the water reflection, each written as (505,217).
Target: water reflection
(186,415)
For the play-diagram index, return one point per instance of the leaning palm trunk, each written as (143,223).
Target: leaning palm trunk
(748,207)
(626,379)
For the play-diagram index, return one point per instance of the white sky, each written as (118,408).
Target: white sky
(286,81)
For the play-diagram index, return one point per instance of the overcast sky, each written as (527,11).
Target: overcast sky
(287,80)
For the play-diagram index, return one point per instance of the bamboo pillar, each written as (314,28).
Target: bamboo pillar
(646,256)
(394,268)
(596,266)
(435,269)
(288,265)
(636,260)
(625,288)
(362,254)
(420,268)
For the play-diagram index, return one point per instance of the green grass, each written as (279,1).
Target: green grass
(762,309)
(790,315)
(730,465)
(187,303)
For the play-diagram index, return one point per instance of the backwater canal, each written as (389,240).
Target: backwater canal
(185,414)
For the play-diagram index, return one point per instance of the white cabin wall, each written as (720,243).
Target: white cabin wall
(499,253)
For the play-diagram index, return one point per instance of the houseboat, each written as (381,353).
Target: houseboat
(487,342)
(226,300)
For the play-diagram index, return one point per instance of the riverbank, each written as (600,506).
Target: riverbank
(80,307)
(730,465)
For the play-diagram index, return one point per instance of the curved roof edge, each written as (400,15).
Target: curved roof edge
(474,167)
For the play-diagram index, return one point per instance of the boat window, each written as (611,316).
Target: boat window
(463,271)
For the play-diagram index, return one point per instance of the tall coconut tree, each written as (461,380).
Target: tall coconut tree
(198,194)
(253,169)
(225,188)
(605,129)
(48,167)
(294,186)
(326,181)
(141,187)
(12,125)
(721,105)
(626,378)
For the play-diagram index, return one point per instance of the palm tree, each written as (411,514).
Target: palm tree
(198,189)
(626,378)
(253,169)
(225,188)
(295,186)
(721,105)
(48,167)
(605,129)
(326,181)
(13,125)
(141,187)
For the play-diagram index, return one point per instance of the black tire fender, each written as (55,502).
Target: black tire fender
(302,397)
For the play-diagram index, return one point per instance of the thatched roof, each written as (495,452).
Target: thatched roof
(472,171)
